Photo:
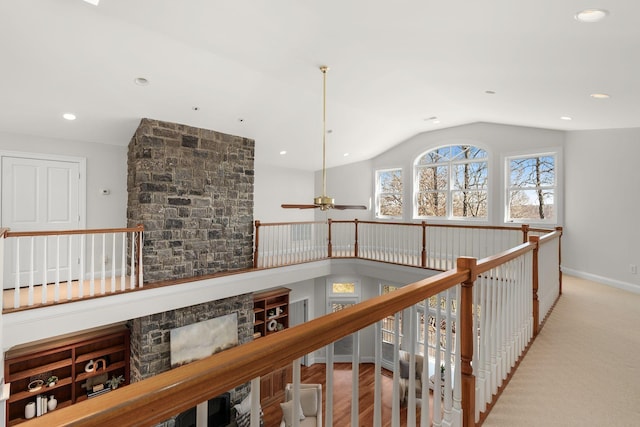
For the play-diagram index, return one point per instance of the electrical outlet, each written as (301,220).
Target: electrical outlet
(633,269)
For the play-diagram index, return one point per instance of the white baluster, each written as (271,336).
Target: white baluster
(395,406)
(113,262)
(377,393)
(44,270)
(437,385)
(296,393)
(71,264)
(411,348)
(457,387)
(447,359)
(56,289)
(103,273)
(123,263)
(355,379)
(255,402)
(132,279)
(82,239)
(32,269)
(493,330)
(16,291)
(329,382)
(425,411)
(93,266)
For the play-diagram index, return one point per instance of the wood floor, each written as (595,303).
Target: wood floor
(342,396)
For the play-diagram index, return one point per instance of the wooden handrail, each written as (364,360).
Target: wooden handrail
(160,397)
(546,238)
(428,224)
(139,228)
(488,263)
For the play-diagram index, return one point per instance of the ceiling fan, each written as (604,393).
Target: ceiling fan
(323,202)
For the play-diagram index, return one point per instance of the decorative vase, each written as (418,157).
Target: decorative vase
(52,403)
(30,410)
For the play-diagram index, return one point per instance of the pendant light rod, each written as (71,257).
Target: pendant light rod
(324,70)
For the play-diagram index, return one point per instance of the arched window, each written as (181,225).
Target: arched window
(451,183)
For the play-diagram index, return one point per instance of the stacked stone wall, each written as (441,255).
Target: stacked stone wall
(192,189)
(151,344)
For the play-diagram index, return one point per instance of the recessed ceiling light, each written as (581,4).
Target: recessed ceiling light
(591,15)
(346,154)
(600,96)
(141,81)
(69,116)
(93,2)
(195,108)
(433,119)
(283,152)
(565,118)
(490,92)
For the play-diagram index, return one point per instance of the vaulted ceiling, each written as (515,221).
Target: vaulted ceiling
(250,68)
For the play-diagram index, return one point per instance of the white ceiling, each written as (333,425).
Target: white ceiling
(393,65)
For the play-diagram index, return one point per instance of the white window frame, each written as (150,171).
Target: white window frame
(382,329)
(379,194)
(451,165)
(555,152)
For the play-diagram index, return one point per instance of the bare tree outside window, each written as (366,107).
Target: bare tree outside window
(389,193)
(532,188)
(452,182)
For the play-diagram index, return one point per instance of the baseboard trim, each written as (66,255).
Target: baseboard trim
(602,280)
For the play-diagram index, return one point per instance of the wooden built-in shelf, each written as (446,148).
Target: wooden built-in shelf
(66,359)
(271,307)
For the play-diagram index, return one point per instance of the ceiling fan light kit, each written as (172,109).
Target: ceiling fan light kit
(323,202)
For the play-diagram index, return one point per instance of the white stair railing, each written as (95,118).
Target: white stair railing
(502,315)
(51,266)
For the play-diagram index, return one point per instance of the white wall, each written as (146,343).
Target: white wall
(348,185)
(106,168)
(602,178)
(274,186)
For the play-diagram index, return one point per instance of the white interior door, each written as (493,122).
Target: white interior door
(39,194)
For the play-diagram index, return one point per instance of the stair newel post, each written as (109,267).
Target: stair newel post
(329,248)
(423,260)
(559,230)
(355,245)
(467,335)
(525,233)
(256,243)
(535,283)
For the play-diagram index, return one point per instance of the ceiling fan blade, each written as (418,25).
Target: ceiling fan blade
(343,207)
(292,206)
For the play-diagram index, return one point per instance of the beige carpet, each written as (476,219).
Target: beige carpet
(584,367)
